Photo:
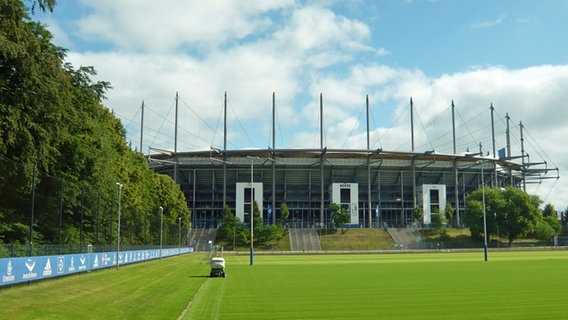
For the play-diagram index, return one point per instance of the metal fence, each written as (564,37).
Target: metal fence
(41,213)
(19,250)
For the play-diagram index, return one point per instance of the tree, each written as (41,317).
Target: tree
(549,211)
(449,213)
(260,234)
(543,231)
(339,215)
(554,223)
(284,212)
(516,213)
(418,214)
(438,219)
(231,228)
(53,123)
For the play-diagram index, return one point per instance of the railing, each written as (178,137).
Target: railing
(20,250)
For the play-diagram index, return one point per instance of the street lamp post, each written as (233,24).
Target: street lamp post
(161,228)
(484,211)
(118,228)
(252,208)
(179,235)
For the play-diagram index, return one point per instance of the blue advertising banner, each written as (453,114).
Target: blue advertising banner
(15,270)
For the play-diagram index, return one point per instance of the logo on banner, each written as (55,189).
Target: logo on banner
(47,269)
(82,259)
(9,277)
(60,265)
(72,266)
(96,263)
(106,259)
(30,264)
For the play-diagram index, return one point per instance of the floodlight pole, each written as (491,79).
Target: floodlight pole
(484,210)
(161,228)
(252,208)
(179,235)
(118,227)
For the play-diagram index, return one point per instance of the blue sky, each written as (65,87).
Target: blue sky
(509,53)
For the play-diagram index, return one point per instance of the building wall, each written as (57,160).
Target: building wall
(243,203)
(298,182)
(431,197)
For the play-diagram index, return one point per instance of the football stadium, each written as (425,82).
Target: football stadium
(378,187)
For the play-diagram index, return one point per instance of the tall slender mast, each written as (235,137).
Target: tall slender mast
(142,128)
(456,177)
(413,163)
(454,125)
(225,151)
(176,139)
(493,129)
(321,160)
(368,166)
(176,125)
(494,180)
(523,157)
(508,134)
(412,123)
(274,158)
(225,123)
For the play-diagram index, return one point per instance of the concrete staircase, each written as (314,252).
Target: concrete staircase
(304,240)
(200,239)
(406,238)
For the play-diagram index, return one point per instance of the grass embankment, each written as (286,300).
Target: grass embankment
(355,239)
(448,235)
(330,239)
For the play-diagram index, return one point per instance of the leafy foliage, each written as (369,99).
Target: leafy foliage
(54,127)
(339,215)
(514,212)
(232,229)
(284,212)
(543,231)
(418,214)
(438,220)
(449,212)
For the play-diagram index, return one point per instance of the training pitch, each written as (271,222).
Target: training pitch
(511,285)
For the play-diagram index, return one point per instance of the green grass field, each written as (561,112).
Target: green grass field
(511,285)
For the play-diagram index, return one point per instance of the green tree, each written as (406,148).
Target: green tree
(418,214)
(550,216)
(53,123)
(438,221)
(449,213)
(549,211)
(260,234)
(543,231)
(339,215)
(284,212)
(554,223)
(231,228)
(516,212)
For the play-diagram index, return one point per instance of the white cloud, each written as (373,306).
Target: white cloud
(253,49)
(163,26)
(489,24)
(532,95)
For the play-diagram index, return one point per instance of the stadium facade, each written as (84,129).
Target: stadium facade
(379,188)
